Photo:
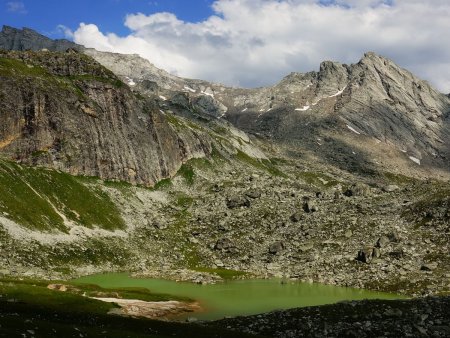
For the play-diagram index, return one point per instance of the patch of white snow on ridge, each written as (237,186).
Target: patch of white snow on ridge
(305,108)
(338,93)
(414,159)
(269,110)
(208,94)
(190,89)
(262,109)
(245,109)
(130,81)
(353,130)
(163,98)
(162,112)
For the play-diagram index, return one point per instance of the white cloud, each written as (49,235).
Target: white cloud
(65,30)
(16,7)
(257,42)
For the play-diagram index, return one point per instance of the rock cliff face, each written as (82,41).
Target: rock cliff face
(65,111)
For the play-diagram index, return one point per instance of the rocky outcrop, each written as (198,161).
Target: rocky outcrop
(27,39)
(65,111)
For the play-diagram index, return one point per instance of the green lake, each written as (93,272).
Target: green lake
(241,297)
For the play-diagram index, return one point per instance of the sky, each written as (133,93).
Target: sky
(250,43)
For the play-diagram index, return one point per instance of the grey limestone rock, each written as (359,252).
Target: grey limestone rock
(276,247)
(234,202)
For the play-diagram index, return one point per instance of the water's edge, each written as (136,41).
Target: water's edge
(240,297)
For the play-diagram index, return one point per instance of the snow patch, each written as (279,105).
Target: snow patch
(303,109)
(414,159)
(190,89)
(208,94)
(245,109)
(162,112)
(130,81)
(338,93)
(353,130)
(163,98)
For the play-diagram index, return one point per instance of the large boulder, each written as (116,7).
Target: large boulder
(253,193)
(358,189)
(365,255)
(223,244)
(310,206)
(236,201)
(276,247)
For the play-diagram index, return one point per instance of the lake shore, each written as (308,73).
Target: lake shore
(163,310)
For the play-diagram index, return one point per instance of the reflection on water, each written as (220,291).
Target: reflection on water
(242,297)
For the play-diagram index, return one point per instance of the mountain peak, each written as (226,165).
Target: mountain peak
(28,39)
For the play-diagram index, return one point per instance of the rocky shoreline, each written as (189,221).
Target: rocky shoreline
(163,310)
(423,317)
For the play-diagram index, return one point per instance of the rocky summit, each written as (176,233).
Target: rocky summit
(340,176)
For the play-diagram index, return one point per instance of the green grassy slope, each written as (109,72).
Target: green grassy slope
(38,199)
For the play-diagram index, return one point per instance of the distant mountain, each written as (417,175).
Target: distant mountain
(27,39)
(365,115)
(372,106)
(372,113)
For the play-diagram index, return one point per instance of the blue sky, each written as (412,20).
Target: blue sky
(250,43)
(109,15)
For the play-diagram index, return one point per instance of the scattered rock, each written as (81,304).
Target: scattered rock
(223,244)
(394,237)
(358,189)
(348,234)
(159,225)
(382,242)
(376,252)
(310,206)
(253,193)
(306,247)
(429,266)
(391,188)
(296,217)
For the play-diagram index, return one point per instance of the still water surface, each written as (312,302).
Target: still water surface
(241,297)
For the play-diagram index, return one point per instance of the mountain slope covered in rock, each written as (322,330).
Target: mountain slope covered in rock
(328,187)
